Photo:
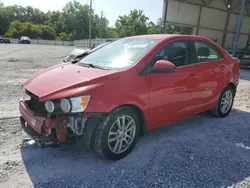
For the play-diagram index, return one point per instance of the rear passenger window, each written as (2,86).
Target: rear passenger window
(206,52)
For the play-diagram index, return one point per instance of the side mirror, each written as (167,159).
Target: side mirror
(163,66)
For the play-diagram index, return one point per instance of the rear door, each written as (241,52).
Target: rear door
(210,65)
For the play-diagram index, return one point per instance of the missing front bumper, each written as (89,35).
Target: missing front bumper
(41,141)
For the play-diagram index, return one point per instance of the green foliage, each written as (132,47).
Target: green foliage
(170,28)
(178,29)
(45,32)
(18,29)
(64,36)
(154,28)
(133,24)
(19,13)
(72,23)
(112,33)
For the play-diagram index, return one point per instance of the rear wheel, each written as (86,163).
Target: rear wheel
(224,103)
(116,136)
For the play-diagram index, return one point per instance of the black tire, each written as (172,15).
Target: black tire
(217,110)
(100,136)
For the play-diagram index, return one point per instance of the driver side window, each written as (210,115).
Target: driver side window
(176,53)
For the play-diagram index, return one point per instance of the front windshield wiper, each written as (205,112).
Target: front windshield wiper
(95,66)
(89,65)
(75,61)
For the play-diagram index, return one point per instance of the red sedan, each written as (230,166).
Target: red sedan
(133,85)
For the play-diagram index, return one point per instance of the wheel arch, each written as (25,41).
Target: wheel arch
(233,86)
(140,114)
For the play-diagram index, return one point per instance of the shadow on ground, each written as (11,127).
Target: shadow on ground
(199,152)
(245,74)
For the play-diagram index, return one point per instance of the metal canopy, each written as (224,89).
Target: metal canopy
(222,18)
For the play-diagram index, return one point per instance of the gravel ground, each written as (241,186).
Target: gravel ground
(199,152)
(17,63)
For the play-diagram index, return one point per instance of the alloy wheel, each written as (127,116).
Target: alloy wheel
(226,102)
(121,134)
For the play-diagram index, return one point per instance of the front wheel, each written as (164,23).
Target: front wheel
(116,136)
(224,103)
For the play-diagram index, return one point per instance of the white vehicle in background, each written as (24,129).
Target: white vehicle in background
(24,40)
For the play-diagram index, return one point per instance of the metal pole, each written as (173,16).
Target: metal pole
(165,16)
(225,30)
(90,18)
(199,20)
(243,2)
(248,38)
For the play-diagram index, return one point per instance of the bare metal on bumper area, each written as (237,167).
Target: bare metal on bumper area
(42,141)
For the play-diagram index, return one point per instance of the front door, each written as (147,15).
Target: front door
(170,94)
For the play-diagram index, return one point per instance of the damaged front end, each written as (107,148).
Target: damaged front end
(52,123)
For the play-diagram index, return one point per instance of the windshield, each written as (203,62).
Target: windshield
(99,46)
(122,53)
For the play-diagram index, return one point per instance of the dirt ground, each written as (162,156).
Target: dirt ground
(201,151)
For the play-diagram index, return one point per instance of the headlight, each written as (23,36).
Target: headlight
(65,105)
(49,106)
(75,104)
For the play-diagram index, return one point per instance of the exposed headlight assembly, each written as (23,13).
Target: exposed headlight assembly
(49,106)
(65,105)
(75,104)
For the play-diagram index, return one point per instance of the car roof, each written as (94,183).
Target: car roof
(167,36)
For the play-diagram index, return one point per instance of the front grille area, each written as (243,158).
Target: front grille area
(37,107)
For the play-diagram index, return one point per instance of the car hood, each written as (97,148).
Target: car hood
(64,77)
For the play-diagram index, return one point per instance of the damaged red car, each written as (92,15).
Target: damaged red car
(106,100)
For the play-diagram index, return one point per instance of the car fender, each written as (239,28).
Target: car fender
(106,103)
(107,96)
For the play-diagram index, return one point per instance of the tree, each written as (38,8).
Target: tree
(19,13)
(178,29)
(64,36)
(100,27)
(55,20)
(170,28)
(75,19)
(133,24)
(45,32)
(72,23)
(153,28)
(18,29)
(112,33)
